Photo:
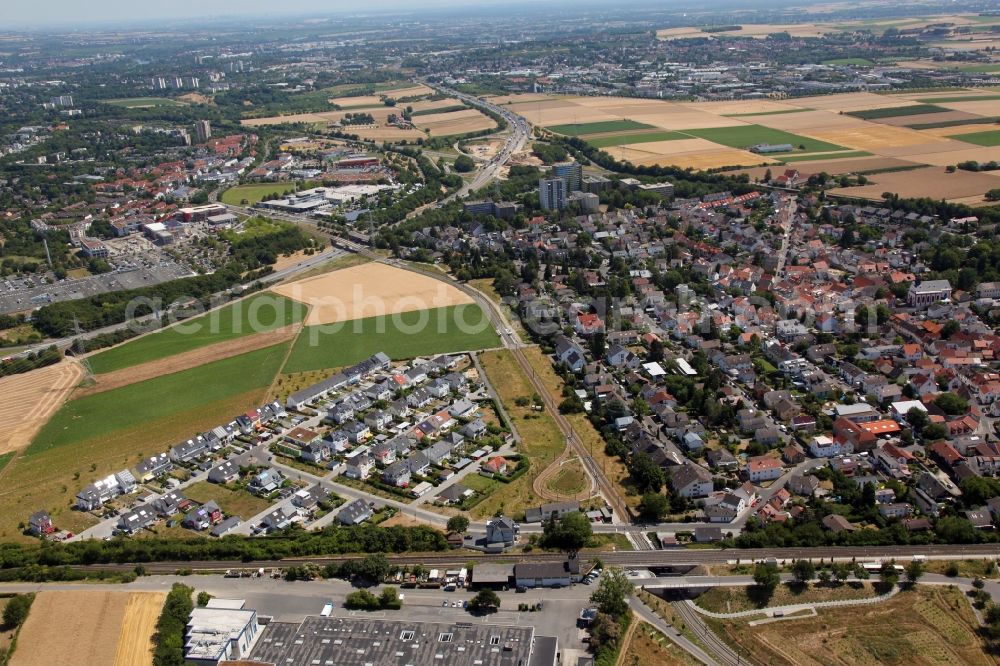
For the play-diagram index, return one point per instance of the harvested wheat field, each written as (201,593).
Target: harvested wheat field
(989,107)
(135,642)
(454,122)
(861,101)
(76,627)
(961,152)
(324,117)
(960,129)
(743,107)
(369,290)
(357,101)
(834,167)
(387,133)
(29,399)
(933,182)
(758,31)
(187,360)
(876,138)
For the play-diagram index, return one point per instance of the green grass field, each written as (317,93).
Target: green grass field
(623,139)
(745,136)
(825,156)
(256,227)
(256,314)
(417,333)
(861,62)
(578,129)
(896,111)
(962,98)
(252,194)
(144,102)
(102,414)
(980,138)
(981,69)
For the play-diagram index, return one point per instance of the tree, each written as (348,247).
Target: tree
(485,601)
(951,404)
(203,598)
(648,476)
(803,571)
(464,164)
(914,570)
(917,418)
(458,524)
(824,577)
(389,599)
(653,506)
(16,611)
(361,600)
(374,567)
(993,195)
(766,577)
(571,532)
(612,593)
(935,431)
(888,574)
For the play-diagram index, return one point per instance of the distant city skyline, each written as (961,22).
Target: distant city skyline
(20,13)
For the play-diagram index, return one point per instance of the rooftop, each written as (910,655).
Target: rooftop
(360,641)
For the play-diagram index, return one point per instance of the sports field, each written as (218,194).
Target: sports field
(256,314)
(403,335)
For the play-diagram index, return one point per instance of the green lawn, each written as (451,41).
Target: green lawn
(578,129)
(991,138)
(143,102)
(862,62)
(825,156)
(232,502)
(102,414)
(417,333)
(256,227)
(745,136)
(623,139)
(235,196)
(256,314)
(897,111)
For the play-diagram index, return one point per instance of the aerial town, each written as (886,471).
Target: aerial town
(536,336)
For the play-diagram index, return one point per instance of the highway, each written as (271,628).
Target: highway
(517,139)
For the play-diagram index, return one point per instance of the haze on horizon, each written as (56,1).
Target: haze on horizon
(21,13)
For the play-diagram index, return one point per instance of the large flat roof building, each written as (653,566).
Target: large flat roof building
(359,641)
(223,630)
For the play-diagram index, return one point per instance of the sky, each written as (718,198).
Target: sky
(69,12)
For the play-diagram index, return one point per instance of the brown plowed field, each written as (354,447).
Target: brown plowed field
(30,399)
(187,360)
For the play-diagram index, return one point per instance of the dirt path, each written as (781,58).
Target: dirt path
(189,359)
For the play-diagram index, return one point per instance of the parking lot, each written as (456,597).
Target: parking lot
(137,263)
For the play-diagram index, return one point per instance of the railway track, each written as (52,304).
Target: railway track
(647,558)
(715,646)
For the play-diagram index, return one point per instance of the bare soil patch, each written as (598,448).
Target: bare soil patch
(927,118)
(369,290)
(30,399)
(187,360)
